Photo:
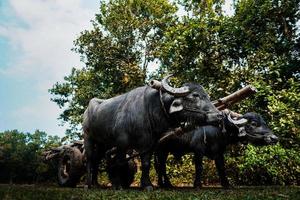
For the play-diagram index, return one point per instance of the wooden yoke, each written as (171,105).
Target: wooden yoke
(235,97)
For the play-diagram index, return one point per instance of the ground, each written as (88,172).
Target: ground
(24,192)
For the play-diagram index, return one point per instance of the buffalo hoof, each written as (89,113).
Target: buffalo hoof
(149,188)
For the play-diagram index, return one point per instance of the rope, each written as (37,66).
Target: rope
(223,127)
(162,104)
(204,136)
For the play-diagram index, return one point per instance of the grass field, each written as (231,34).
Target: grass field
(16,192)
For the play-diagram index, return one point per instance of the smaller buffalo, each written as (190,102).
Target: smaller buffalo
(211,141)
(121,171)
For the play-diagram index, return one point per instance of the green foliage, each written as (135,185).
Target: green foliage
(285,109)
(268,165)
(192,48)
(181,172)
(258,45)
(20,157)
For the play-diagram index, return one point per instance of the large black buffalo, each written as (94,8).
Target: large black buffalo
(136,120)
(211,141)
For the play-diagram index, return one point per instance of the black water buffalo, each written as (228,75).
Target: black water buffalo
(136,120)
(211,141)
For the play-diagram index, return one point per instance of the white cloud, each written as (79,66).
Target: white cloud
(44,41)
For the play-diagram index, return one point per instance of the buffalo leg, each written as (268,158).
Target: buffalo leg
(95,166)
(198,170)
(97,156)
(146,164)
(220,165)
(157,165)
(160,167)
(89,152)
(120,162)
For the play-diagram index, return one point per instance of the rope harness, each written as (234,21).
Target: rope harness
(163,105)
(204,135)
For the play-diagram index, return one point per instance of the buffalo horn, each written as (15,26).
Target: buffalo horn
(174,91)
(232,113)
(155,84)
(237,122)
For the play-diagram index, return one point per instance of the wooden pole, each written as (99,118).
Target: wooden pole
(235,97)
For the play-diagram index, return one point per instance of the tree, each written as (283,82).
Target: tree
(192,48)
(258,45)
(265,51)
(20,157)
(116,53)
(13,143)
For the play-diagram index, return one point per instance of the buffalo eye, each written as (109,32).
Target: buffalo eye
(176,104)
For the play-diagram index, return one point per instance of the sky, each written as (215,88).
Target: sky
(36,37)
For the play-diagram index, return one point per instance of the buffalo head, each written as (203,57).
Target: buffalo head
(189,104)
(253,129)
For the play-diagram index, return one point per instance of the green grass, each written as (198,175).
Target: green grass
(15,192)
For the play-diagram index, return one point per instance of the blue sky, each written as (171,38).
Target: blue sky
(35,41)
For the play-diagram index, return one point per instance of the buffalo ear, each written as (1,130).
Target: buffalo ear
(176,106)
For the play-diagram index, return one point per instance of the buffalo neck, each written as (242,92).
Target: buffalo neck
(158,119)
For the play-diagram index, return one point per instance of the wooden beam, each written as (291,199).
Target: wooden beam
(235,97)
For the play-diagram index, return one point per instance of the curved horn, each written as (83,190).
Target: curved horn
(237,122)
(155,84)
(232,113)
(174,91)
